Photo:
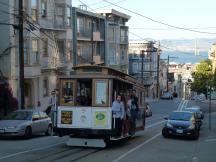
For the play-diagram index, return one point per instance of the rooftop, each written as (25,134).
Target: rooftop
(114,12)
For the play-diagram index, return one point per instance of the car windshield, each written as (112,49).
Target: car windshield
(180,116)
(19,115)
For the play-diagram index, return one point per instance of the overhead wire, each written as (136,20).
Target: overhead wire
(110,4)
(143,28)
(160,22)
(168,48)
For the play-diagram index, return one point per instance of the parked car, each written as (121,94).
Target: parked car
(181,123)
(199,97)
(148,111)
(25,123)
(198,114)
(201,114)
(167,95)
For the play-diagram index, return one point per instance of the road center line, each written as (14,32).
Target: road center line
(137,147)
(152,125)
(23,152)
(180,104)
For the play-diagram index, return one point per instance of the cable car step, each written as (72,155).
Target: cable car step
(120,137)
(85,142)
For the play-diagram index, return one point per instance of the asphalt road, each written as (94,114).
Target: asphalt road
(147,145)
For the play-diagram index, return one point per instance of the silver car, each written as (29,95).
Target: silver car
(25,123)
(167,95)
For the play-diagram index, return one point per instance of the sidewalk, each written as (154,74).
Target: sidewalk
(149,99)
(207,101)
(204,150)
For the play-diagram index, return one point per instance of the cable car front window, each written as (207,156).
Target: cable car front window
(101,92)
(67,92)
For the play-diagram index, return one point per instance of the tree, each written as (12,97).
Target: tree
(203,77)
(8,102)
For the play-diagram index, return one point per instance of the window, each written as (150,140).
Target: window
(26,53)
(43,8)
(34,58)
(35,116)
(112,56)
(45,87)
(69,50)
(135,67)
(67,92)
(112,34)
(59,16)
(80,26)
(34,10)
(122,56)
(43,115)
(123,35)
(45,47)
(68,16)
(100,92)
(61,49)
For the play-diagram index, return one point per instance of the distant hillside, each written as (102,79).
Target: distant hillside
(187,45)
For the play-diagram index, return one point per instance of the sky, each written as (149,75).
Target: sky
(199,15)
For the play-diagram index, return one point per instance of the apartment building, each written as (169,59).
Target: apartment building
(117,39)
(88,37)
(47,47)
(143,64)
(182,78)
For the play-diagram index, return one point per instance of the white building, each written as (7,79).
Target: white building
(117,39)
(147,50)
(183,77)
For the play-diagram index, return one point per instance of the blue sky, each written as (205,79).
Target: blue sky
(196,14)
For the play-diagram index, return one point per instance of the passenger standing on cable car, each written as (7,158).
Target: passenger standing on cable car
(118,115)
(125,122)
(133,106)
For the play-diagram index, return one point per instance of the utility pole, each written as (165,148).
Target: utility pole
(158,64)
(142,76)
(21,56)
(167,73)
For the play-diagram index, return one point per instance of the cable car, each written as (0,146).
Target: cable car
(84,111)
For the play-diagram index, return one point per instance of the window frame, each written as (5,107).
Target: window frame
(45,47)
(95,81)
(44,8)
(34,52)
(74,83)
(46,94)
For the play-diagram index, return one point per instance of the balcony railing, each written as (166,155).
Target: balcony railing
(97,35)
